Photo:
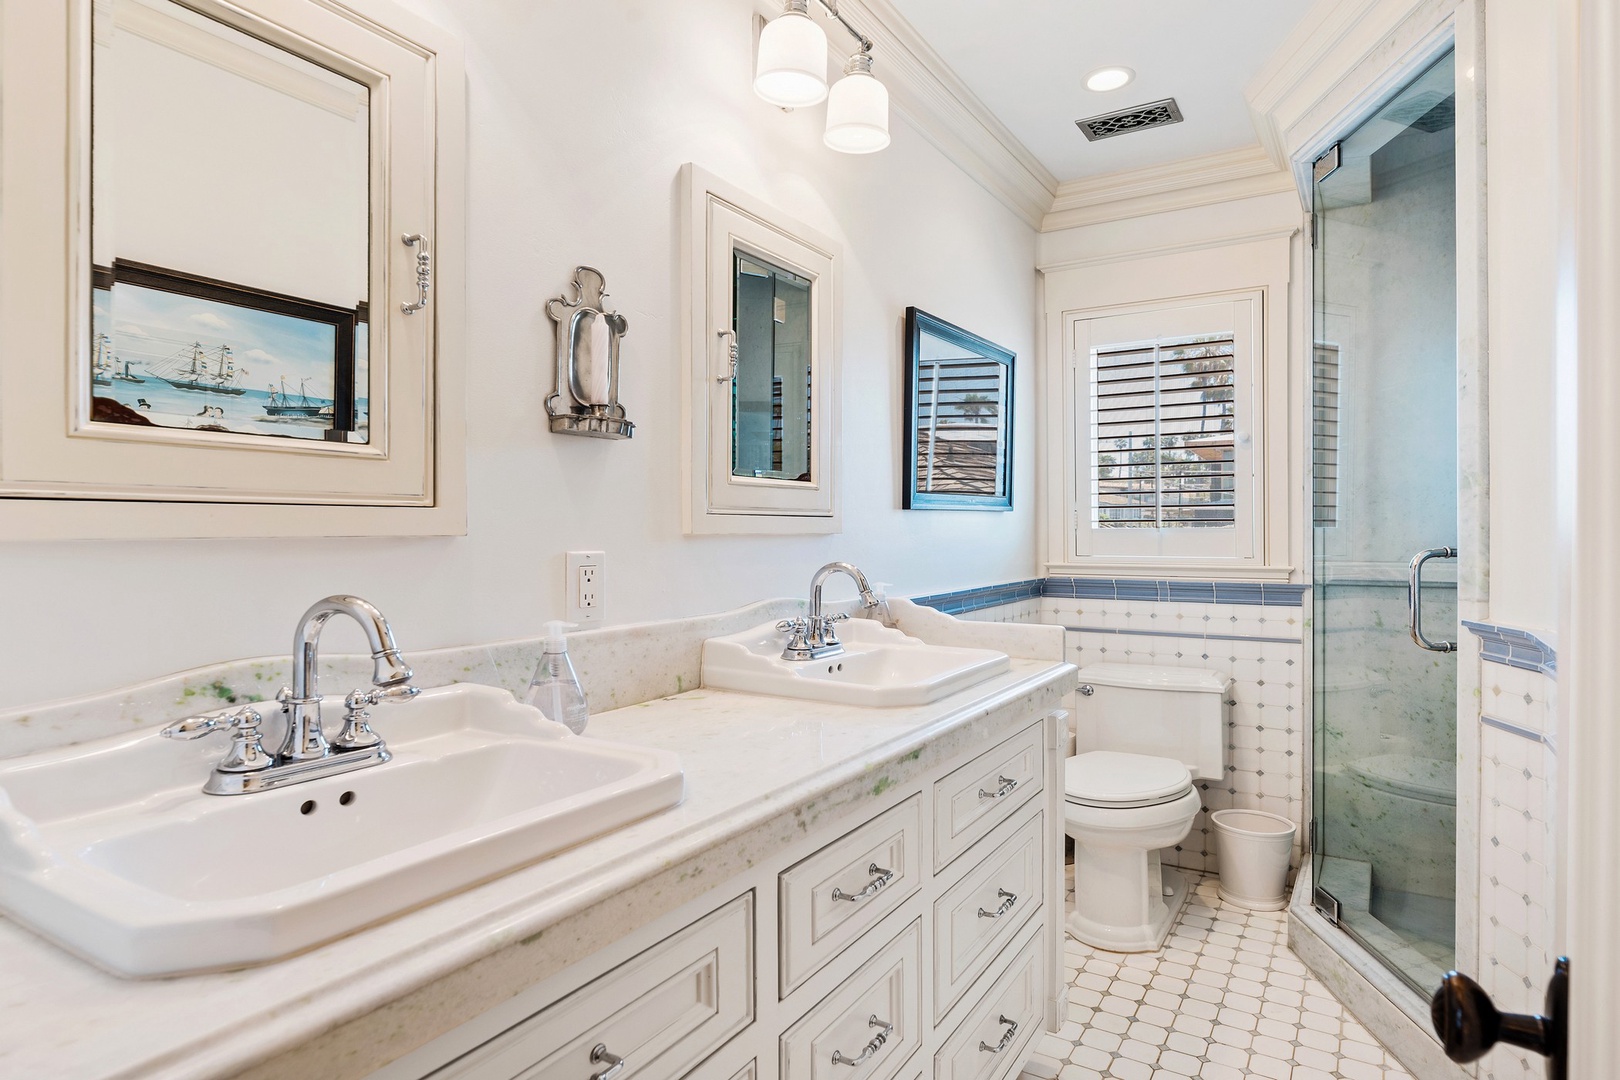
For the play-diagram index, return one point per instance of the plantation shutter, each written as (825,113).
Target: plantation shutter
(1163,447)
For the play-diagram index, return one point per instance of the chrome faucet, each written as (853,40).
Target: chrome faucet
(814,637)
(306,753)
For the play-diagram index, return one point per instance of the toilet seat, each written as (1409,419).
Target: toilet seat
(1112,780)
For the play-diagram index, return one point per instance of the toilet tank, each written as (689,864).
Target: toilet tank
(1177,713)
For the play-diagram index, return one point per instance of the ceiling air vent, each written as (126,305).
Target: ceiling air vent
(1136,118)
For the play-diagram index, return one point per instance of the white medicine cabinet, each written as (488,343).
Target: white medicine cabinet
(761,348)
(231,300)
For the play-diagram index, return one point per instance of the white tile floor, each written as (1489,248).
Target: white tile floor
(1225,998)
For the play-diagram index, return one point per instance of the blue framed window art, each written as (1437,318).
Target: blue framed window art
(958,418)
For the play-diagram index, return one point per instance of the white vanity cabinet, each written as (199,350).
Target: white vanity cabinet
(915,933)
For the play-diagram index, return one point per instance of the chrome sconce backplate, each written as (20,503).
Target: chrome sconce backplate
(586,398)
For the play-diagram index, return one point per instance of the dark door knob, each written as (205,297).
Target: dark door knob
(1469,1025)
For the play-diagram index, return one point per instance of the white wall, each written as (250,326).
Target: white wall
(1522,132)
(579,117)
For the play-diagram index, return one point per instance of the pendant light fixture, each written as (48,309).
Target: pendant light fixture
(858,110)
(790,72)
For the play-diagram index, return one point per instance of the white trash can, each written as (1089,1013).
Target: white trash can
(1253,847)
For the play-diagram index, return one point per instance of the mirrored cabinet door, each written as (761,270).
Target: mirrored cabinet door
(259,196)
(762,395)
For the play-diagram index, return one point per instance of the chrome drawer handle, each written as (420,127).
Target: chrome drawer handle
(1006,1038)
(600,1056)
(1006,905)
(1007,788)
(872,1047)
(873,887)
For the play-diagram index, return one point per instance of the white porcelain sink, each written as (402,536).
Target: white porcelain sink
(879,666)
(112,850)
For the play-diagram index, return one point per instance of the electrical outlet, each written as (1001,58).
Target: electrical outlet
(586,582)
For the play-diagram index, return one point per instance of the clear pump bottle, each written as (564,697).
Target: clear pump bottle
(555,688)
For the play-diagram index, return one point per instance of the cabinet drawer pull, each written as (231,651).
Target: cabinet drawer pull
(1006,905)
(1006,1037)
(601,1056)
(1006,787)
(872,1047)
(873,887)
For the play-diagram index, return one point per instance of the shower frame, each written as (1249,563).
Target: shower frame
(1414,39)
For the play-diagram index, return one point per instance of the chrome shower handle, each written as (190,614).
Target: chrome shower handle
(1414,598)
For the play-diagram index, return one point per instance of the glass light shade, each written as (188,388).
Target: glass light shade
(857,114)
(792,68)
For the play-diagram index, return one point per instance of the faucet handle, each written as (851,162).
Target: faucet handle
(247,752)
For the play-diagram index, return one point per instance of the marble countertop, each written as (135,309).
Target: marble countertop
(759,770)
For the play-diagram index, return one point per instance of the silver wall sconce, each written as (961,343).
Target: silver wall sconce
(791,72)
(586,398)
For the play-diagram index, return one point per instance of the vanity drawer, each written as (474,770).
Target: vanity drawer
(980,795)
(831,898)
(663,1011)
(715,1069)
(991,1041)
(873,1019)
(976,918)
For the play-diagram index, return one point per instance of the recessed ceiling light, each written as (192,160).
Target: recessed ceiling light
(1109,78)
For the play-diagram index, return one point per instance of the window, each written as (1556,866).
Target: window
(1162,432)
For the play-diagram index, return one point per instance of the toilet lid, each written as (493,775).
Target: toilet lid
(1110,778)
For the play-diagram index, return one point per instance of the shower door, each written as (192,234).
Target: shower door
(1384,406)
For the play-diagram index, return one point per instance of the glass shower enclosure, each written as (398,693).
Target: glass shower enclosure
(1384,498)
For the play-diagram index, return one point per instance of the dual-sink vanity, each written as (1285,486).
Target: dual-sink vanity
(708,884)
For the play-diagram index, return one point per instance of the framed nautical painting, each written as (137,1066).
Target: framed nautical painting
(176,350)
(958,418)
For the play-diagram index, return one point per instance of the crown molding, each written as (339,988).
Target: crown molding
(924,89)
(1220,177)
(1343,58)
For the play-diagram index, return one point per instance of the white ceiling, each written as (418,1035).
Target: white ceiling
(1027,61)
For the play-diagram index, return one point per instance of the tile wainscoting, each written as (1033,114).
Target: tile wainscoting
(1518,885)
(1251,632)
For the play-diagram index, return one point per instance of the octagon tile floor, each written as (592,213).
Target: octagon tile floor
(1224,998)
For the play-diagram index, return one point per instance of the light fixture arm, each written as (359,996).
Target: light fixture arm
(832,9)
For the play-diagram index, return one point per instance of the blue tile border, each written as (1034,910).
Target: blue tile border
(1264,594)
(955,603)
(1196,592)
(1515,648)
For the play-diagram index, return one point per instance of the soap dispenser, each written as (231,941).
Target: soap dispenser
(555,688)
(880,610)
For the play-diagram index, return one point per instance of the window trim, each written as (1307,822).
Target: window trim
(1256,263)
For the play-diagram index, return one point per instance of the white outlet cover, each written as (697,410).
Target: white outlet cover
(577,611)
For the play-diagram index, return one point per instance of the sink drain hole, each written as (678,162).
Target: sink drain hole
(346,798)
(308,807)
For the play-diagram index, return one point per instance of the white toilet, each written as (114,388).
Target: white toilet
(1142,735)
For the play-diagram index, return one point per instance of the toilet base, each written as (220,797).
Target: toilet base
(1143,938)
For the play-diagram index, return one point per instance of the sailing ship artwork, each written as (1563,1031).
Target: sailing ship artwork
(166,359)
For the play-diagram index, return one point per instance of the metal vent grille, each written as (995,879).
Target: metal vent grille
(1136,118)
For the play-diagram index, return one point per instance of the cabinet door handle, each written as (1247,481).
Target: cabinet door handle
(601,1056)
(424,272)
(1006,905)
(1006,1037)
(873,887)
(872,1047)
(1006,787)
